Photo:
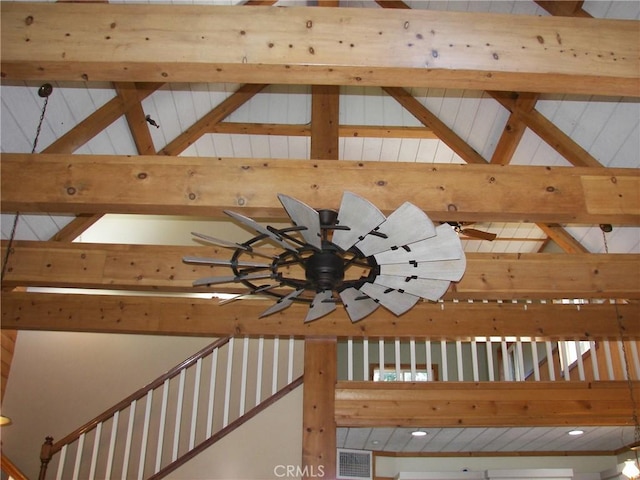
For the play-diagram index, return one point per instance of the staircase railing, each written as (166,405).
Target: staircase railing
(153,430)
(10,470)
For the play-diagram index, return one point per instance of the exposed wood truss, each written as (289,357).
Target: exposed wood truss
(194,316)
(305,44)
(191,186)
(160,269)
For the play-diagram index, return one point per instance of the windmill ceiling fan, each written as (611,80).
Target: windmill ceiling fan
(355,256)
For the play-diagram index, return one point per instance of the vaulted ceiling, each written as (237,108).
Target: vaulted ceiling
(531,133)
(487,112)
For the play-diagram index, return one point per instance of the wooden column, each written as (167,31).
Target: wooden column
(318,423)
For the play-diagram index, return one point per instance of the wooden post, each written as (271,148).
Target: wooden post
(45,457)
(318,422)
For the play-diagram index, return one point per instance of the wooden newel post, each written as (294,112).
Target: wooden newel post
(45,457)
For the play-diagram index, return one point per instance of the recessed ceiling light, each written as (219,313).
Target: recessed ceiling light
(418,433)
(575,433)
(375,442)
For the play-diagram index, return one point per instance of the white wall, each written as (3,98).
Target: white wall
(260,449)
(60,380)
(390,466)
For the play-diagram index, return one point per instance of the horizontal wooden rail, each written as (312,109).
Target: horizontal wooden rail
(160,268)
(11,470)
(484,404)
(207,186)
(193,316)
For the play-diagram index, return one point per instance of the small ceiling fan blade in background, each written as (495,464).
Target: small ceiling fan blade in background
(260,229)
(357,304)
(322,304)
(282,303)
(475,233)
(407,224)
(445,245)
(360,215)
(393,300)
(225,263)
(230,279)
(302,215)
(423,287)
(451,270)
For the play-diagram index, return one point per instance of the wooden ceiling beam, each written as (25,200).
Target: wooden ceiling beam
(206,186)
(136,119)
(196,316)
(160,268)
(325,122)
(564,8)
(564,240)
(513,130)
(305,45)
(216,115)
(98,121)
(304,130)
(547,131)
(483,404)
(428,119)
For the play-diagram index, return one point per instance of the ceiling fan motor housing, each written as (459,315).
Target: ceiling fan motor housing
(325,269)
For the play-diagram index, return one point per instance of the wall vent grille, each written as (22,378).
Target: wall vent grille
(354,464)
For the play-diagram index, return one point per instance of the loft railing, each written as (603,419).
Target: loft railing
(487,359)
(154,430)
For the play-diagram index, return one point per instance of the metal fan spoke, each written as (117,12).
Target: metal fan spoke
(393,300)
(360,215)
(282,303)
(260,229)
(230,279)
(303,215)
(438,270)
(357,304)
(422,287)
(220,243)
(445,245)
(322,304)
(226,263)
(407,224)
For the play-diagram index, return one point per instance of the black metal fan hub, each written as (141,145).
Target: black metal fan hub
(325,270)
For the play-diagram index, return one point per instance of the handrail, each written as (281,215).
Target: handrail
(229,428)
(137,395)
(11,469)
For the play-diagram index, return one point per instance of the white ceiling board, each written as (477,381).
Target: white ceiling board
(486,440)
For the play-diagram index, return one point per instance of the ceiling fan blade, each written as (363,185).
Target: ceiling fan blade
(451,270)
(422,287)
(230,279)
(407,224)
(445,245)
(302,215)
(393,300)
(220,243)
(226,263)
(360,215)
(260,229)
(473,232)
(357,304)
(322,304)
(282,303)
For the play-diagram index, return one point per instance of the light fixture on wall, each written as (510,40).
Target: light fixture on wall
(4,421)
(355,256)
(630,469)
